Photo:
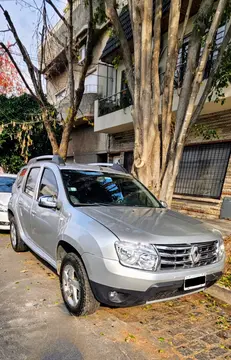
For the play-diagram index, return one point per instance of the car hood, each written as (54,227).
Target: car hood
(150,225)
(4,198)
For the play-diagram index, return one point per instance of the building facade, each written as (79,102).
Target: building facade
(85,145)
(203,186)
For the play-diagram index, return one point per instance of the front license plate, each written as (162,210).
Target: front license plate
(194,282)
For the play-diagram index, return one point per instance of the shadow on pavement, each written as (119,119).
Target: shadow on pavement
(62,350)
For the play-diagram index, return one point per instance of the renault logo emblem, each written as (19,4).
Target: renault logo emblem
(195,255)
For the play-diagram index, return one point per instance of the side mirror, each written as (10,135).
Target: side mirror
(164,204)
(48,202)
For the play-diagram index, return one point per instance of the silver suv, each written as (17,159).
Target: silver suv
(110,240)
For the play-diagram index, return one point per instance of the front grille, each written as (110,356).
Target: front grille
(174,257)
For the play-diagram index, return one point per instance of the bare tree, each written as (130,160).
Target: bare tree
(160,135)
(70,47)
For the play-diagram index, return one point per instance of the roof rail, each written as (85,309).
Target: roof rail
(53,158)
(117,167)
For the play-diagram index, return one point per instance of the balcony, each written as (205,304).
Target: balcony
(54,55)
(86,108)
(113,114)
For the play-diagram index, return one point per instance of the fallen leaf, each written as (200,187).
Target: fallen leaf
(161,339)
(51,276)
(23,271)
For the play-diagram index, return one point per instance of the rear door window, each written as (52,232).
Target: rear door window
(31,181)
(20,177)
(6,184)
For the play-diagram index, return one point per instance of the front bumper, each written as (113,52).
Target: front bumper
(140,286)
(158,292)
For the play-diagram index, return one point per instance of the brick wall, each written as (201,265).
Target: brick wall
(121,142)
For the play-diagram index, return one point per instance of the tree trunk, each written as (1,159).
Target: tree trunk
(50,132)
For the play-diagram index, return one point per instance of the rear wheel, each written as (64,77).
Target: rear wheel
(75,287)
(17,244)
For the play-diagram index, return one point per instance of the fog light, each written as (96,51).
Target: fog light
(115,297)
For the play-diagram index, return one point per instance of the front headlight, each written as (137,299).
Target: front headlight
(3,208)
(138,256)
(221,249)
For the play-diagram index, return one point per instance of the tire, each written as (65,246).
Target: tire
(17,244)
(75,287)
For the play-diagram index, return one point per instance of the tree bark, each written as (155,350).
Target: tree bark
(167,98)
(50,132)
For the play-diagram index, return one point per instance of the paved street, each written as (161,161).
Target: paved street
(34,324)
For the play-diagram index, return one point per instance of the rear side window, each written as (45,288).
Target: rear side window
(6,184)
(48,185)
(20,177)
(31,181)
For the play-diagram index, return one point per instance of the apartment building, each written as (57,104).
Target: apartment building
(85,144)
(203,186)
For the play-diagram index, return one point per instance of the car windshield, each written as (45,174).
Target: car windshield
(6,184)
(101,188)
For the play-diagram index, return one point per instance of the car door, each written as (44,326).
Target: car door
(45,221)
(25,201)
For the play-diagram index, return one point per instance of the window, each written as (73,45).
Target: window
(98,188)
(6,184)
(82,53)
(91,83)
(183,54)
(20,177)
(31,181)
(203,169)
(48,184)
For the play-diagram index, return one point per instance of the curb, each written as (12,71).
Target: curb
(220,293)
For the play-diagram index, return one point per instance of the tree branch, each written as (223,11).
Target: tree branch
(80,90)
(192,61)
(167,98)
(58,13)
(18,70)
(112,14)
(70,57)
(213,71)
(185,23)
(31,68)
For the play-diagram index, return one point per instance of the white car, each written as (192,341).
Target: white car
(6,183)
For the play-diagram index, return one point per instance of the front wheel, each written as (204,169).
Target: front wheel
(75,287)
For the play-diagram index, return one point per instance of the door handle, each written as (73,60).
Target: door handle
(20,203)
(33,213)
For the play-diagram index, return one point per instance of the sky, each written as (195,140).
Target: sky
(25,15)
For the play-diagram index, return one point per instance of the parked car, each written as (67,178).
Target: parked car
(6,183)
(110,240)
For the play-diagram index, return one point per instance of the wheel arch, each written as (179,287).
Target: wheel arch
(10,214)
(63,248)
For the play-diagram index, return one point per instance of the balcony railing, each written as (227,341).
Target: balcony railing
(115,102)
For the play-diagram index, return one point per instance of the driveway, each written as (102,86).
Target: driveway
(35,325)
